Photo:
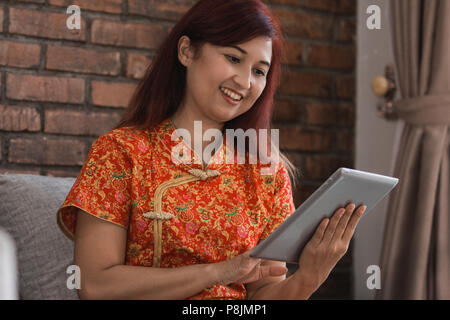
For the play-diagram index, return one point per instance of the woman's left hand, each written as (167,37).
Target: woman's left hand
(327,246)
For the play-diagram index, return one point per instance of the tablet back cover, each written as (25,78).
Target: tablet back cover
(344,186)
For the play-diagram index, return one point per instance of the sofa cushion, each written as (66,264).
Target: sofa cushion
(28,205)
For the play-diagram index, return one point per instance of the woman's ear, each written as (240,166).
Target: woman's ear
(185,52)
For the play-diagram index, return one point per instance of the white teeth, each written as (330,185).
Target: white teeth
(232,95)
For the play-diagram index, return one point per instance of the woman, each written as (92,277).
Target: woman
(148,227)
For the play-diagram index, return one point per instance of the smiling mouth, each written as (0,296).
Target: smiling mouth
(233,96)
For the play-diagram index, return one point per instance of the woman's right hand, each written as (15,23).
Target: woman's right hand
(245,269)
(327,246)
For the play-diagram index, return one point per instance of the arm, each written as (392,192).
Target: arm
(291,288)
(253,287)
(100,253)
(278,287)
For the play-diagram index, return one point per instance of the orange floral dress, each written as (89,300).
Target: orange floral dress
(174,217)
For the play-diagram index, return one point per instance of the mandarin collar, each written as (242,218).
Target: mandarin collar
(165,131)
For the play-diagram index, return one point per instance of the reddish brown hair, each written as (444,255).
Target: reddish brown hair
(222,23)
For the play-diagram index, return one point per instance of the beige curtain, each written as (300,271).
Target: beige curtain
(415,257)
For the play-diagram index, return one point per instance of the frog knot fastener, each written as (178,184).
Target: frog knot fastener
(203,175)
(158,215)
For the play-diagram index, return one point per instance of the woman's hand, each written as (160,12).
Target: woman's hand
(245,269)
(327,246)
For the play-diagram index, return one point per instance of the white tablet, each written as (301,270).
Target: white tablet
(344,186)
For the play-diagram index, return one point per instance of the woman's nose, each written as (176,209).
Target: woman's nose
(243,79)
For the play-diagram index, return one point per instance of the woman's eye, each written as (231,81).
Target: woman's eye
(233,59)
(237,60)
(260,72)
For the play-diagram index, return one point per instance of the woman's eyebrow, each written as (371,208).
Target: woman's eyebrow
(245,52)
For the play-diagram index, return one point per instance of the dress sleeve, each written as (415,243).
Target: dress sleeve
(283,204)
(102,188)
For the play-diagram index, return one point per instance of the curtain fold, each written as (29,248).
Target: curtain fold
(415,256)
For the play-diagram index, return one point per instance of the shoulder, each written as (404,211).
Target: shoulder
(272,168)
(127,139)
(269,175)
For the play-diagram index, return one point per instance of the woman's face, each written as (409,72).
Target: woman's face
(224,82)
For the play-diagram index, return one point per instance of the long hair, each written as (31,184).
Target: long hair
(159,93)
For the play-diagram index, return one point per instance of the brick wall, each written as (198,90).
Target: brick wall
(315,108)
(60,89)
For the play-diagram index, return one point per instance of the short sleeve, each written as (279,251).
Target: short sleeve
(102,188)
(283,204)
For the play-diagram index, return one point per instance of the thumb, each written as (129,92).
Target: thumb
(277,270)
(272,271)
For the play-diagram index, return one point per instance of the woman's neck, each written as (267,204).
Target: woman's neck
(185,120)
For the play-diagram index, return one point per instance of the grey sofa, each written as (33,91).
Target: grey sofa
(28,205)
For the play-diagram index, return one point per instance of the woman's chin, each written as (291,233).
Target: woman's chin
(224,116)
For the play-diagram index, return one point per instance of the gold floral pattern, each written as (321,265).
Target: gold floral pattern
(213,220)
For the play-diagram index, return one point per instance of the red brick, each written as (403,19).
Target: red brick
(308,25)
(44,88)
(288,2)
(346,114)
(303,192)
(163,9)
(295,158)
(111,6)
(33,1)
(345,141)
(296,138)
(331,56)
(112,94)
(321,113)
(345,86)
(47,151)
(287,110)
(339,6)
(44,25)
(309,84)
(13,171)
(83,60)
(137,65)
(62,173)
(1,19)
(15,118)
(79,123)
(148,36)
(320,167)
(293,53)
(18,54)
(347,30)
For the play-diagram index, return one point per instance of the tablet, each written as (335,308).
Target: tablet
(344,186)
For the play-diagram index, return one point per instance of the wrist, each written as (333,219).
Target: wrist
(305,282)
(215,270)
